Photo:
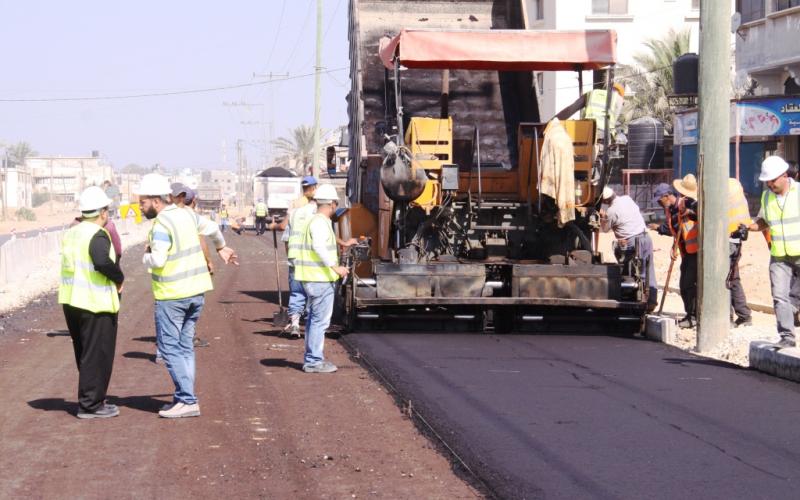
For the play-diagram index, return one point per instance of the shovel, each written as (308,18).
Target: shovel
(669,274)
(280,318)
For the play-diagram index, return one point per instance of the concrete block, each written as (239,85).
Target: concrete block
(660,328)
(768,358)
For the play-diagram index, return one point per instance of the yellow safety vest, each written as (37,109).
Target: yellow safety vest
(261,209)
(185,273)
(308,265)
(223,214)
(784,223)
(81,286)
(297,229)
(738,210)
(595,108)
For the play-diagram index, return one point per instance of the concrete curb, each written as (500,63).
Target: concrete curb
(660,328)
(768,358)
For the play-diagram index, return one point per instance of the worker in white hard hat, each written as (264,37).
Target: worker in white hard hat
(316,266)
(180,279)
(91,281)
(780,213)
(623,217)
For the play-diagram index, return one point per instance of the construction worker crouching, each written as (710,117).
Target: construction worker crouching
(780,213)
(317,267)
(681,224)
(624,218)
(180,278)
(91,281)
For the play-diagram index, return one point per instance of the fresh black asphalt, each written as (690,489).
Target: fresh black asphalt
(595,416)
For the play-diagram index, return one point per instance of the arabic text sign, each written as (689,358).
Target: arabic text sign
(769,116)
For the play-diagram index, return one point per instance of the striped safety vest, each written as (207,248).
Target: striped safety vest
(308,265)
(688,232)
(81,286)
(185,273)
(297,229)
(738,210)
(261,209)
(784,222)
(595,108)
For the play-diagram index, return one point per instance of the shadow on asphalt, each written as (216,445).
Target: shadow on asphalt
(145,339)
(142,403)
(54,404)
(58,333)
(699,361)
(270,296)
(140,355)
(278,332)
(281,363)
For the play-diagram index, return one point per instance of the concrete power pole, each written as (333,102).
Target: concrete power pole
(713,159)
(317,92)
(239,176)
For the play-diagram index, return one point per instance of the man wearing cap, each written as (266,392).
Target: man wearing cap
(780,213)
(624,218)
(681,224)
(317,268)
(180,279)
(91,281)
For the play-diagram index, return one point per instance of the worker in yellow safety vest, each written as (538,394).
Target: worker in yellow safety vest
(223,218)
(180,279)
(595,107)
(780,213)
(261,217)
(738,220)
(91,281)
(316,266)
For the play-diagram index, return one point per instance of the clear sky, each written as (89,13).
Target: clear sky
(91,48)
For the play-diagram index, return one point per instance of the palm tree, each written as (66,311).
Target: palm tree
(650,80)
(296,152)
(18,152)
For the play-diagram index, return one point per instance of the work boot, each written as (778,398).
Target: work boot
(742,322)
(687,322)
(321,367)
(198,342)
(105,411)
(181,410)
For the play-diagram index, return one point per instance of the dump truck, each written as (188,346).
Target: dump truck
(278,187)
(464,229)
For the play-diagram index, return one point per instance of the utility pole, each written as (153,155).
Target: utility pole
(270,135)
(239,176)
(714,302)
(317,91)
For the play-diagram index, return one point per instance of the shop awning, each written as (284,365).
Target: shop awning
(501,50)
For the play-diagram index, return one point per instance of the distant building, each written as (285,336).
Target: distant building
(17,186)
(224,179)
(63,178)
(127,183)
(635,22)
(337,152)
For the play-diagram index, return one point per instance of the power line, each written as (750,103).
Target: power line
(327,29)
(277,34)
(301,32)
(171,93)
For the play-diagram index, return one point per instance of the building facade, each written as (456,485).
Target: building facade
(64,178)
(224,179)
(17,187)
(635,22)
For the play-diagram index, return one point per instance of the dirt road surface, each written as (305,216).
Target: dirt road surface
(267,429)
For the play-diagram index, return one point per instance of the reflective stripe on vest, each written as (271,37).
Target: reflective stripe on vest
(261,210)
(308,265)
(738,210)
(185,274)
(688,232)
(298,225)
(81,286)
(595,108)
(784,223)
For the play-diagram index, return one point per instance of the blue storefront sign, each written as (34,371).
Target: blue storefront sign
(769,116)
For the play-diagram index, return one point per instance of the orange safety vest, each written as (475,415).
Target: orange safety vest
(689,231)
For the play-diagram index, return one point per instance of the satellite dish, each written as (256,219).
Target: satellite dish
(736,21)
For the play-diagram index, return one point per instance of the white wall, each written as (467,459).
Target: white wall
(646,19)
(768,50)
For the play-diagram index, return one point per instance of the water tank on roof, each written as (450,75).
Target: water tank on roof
(645,143)
(684,74)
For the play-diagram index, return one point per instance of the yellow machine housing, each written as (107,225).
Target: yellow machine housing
(430,141)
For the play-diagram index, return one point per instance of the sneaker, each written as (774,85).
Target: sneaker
(105,411)
(181,410)
(198,342)
(321,367)
(686,322)
(159,359)
(166,406)
(742,322)
(295,333)
(785,342)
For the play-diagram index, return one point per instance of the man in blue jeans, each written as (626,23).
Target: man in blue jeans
(180,277)
(317,267)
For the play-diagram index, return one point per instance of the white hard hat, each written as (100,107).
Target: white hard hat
(326,192)
(772,168)
(607,193)
(154,185)
(92,199)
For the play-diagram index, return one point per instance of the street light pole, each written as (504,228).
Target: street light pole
(713,304)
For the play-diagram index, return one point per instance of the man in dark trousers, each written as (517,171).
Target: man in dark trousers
(681,224)
(91,281)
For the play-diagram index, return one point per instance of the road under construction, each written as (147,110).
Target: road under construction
(424,415)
